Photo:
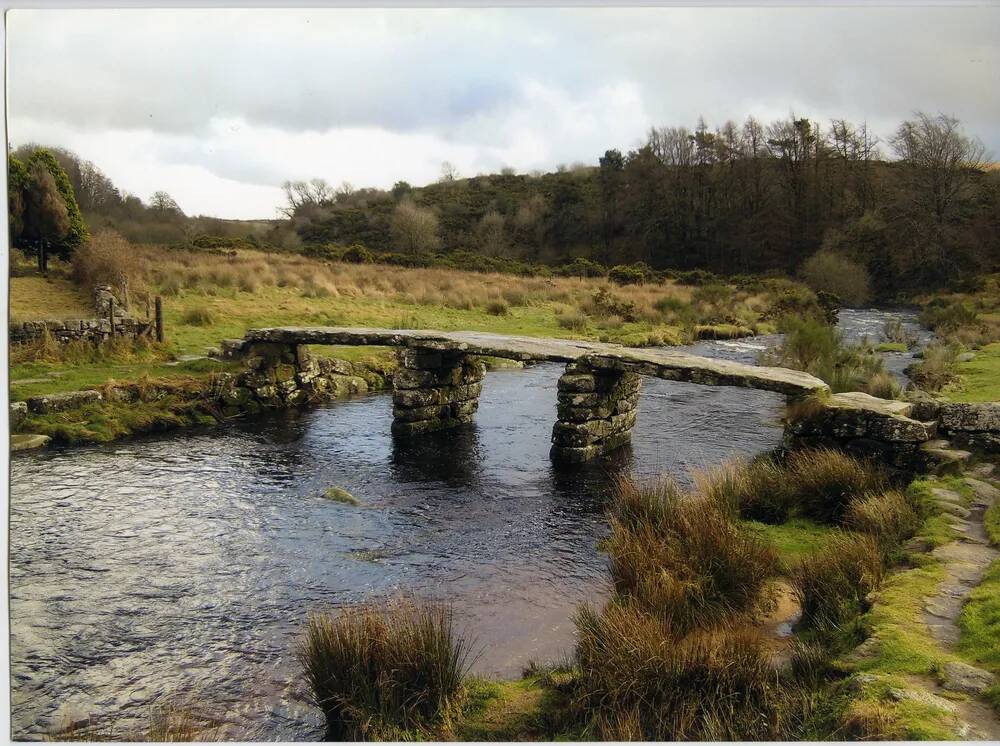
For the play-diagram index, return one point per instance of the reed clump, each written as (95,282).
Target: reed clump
(824,482)
(379,669)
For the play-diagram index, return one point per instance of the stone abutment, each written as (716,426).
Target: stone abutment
(596,412)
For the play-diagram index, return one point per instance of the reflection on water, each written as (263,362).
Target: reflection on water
(181,567)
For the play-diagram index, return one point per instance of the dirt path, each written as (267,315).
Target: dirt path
(966,561)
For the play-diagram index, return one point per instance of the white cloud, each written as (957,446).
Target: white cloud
(219,106)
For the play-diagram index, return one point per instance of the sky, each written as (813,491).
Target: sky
(219,107)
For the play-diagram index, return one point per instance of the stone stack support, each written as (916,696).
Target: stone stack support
(434,389)
(596,412)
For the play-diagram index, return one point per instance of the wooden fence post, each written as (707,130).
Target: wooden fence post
(159,319)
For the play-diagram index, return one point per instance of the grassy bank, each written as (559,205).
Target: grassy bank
(209,296)
(965,364)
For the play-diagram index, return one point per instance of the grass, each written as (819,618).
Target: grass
(832,584)
(795,538)
(979,377)
(682,558)
(38,379)
(380,670)
(892,347)
(54,297)
(980,622)
(637,681)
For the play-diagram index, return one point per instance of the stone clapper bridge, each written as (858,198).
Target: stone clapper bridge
(439,379)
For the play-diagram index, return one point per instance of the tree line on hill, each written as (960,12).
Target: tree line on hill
(789,196)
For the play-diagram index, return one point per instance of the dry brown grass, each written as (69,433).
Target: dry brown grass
(248,271)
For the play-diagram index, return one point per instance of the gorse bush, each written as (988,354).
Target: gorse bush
(638,680)
(682,558)
(826,481)
(379,669)
(627,274)
(831,584)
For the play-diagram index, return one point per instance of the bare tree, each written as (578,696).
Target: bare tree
(414,229)
(448,171)
(304,194)
(490,230)
(942,161)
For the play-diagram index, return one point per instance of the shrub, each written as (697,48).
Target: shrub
(831,584)
(498,307)
(888,517)
(574,321)
(758,490)
(107,259)
(627,274)
(357,254)
(710,685)
(683,558)
(826,481)
(605,304)
(198,316)
(837,274)
(582,267)
(944,315)
(381,668)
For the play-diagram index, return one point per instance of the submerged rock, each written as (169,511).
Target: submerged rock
(340,495)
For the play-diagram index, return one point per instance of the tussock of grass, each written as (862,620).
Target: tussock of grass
(888,518)
(639,681)
(198,316)
(378,670)
(682,558)
(757,490)
(826,481)
(831,585)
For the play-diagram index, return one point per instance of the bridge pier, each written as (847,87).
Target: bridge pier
(596,412)
(434,388)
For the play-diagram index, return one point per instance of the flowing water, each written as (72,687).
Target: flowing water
(178,570)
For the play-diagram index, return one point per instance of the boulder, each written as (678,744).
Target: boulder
(62,402)
(980,418)
(961,677)
(27,441)
(18,414)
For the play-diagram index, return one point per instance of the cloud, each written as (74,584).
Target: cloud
(220,106)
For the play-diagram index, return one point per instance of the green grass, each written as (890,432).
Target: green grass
(107,421)
(892,347)
(60,377)
(980,377)
(980,622)
(794,539)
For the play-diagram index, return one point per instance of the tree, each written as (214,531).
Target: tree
(303,195)
(164,203)
(18,179)
(46,218)
(414,229)
(491,233)
(448,172)
(941,162)
(76,231)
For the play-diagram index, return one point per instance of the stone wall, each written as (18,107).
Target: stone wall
(434,389)
(909,436)
(90,330)
(596,412)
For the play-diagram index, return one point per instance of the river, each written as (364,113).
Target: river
(179,569)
